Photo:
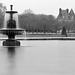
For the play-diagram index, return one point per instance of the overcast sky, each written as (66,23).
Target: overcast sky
(40,6)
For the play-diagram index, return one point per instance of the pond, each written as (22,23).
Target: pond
(38,58)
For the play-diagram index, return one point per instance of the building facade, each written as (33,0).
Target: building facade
(66,15)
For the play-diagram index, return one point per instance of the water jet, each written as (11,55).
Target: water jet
(11,28)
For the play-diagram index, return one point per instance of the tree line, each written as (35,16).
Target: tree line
(43,23)
(38,23)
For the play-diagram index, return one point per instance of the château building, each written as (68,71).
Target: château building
(66,15)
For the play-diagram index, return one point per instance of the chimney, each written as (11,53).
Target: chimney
(60,11)
(67,10)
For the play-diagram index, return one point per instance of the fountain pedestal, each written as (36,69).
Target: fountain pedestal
(11,33)
(11,42)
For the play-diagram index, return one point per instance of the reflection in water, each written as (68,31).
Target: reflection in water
(11,60)
(11,51)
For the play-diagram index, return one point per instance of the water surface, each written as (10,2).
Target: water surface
(38,58)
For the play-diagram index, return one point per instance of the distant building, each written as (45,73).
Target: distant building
(66,15)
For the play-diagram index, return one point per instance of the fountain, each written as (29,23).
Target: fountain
(11,28)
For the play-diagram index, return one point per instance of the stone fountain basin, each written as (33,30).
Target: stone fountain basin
(15,31)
